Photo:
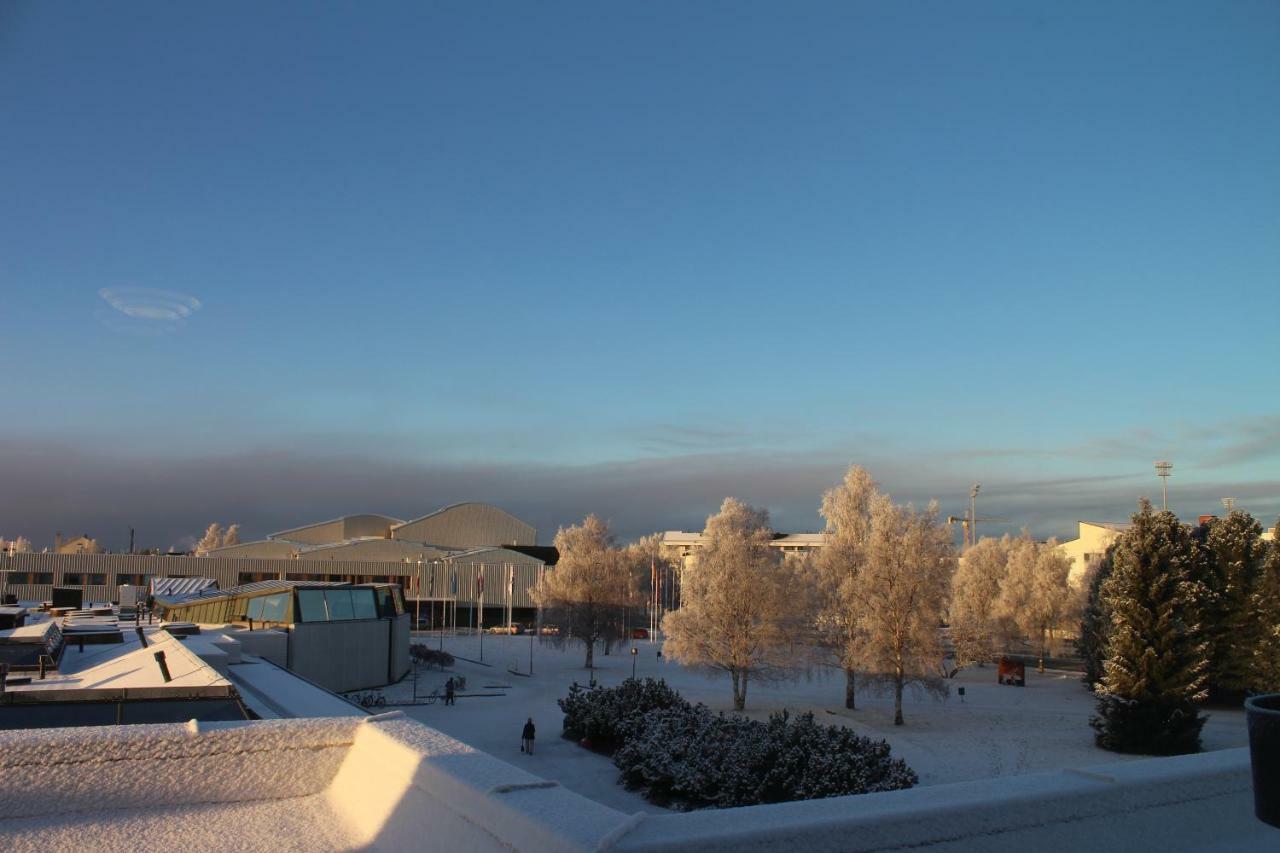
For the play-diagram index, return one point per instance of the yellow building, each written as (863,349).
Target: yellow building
(1088,547)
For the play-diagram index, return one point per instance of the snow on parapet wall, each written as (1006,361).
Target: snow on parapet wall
(47,771)
(388,783)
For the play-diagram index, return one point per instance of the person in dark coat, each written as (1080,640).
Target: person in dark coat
(526,737)
(448,692)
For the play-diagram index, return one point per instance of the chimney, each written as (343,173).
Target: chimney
(57,541)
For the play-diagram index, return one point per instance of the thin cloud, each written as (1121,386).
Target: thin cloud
(143,310)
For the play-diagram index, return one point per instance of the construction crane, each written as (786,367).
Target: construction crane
(968,527)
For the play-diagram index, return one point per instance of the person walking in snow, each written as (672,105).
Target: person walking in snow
(448,692)
(526,737)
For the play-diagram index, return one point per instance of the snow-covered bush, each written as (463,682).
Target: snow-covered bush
(689,757)
(430,657)
(685,756)
(607,716)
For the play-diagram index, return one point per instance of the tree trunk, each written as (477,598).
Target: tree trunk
(848,688)
(607,643)
(591,655)
(897,699)
(740,702)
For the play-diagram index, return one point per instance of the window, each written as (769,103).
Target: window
(311,603)
(362,604)
(131,580)
(254,611)
(275,608)
(19,577)
(97,579)
(42,577)
(339,601)
(73,579)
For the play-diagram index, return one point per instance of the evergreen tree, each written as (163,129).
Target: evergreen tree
(1154,674)
(1235,553)
(1095,626)
(1266,654)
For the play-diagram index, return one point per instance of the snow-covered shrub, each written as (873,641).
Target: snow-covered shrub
(607,716)
(430,657)
(685,756)
(688,757)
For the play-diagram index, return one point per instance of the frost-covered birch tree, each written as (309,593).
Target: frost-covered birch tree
(1035,595)
(903,590)
(232,536)
(212,539)
(735,611)
(835,570)
(975,621)
(587,589)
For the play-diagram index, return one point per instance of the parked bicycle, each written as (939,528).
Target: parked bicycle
(371,699)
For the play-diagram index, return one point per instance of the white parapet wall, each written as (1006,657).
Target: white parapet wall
(387,783)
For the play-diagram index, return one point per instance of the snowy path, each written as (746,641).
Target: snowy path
(995,731)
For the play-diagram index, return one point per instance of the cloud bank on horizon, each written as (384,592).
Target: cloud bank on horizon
(170,499)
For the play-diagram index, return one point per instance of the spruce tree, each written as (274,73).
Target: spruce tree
(1234,630)
(1154,673)
(1095,625)
(1266,654)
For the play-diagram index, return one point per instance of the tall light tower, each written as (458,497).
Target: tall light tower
(1163,470)
(1229,504)
(973,512)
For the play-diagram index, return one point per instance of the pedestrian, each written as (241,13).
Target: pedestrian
(526,737)
(448,692)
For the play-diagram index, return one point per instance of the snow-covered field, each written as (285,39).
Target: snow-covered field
(994,731)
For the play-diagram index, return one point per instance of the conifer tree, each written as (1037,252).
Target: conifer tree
(1236,553)
(1154,674)
(1095,625)
(1266,654)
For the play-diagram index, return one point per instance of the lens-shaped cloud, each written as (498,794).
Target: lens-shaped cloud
(144,310)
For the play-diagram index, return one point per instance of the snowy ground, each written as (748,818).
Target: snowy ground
(995,731)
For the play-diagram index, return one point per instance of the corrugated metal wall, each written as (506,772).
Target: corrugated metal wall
(468,526)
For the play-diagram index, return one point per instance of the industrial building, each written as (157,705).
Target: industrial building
(451,563)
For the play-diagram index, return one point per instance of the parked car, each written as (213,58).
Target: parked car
(639,633)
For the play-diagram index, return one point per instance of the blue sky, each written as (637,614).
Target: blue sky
(631,257)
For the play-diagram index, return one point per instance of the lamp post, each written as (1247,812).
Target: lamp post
(1163,469)
(633,663)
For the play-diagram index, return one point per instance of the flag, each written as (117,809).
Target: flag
(455,583)
(481,580)
(432,586)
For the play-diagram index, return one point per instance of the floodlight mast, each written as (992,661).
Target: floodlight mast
(973,512)
(1163,469)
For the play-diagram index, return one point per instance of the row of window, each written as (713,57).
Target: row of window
(76,578)
(313,605)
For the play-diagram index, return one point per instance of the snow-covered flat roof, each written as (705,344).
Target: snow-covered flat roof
(128,667)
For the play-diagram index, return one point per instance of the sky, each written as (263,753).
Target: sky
(273,263)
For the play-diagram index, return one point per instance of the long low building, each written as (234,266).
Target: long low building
(451,563)
(452,582)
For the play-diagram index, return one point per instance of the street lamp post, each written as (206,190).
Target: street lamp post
(633,663)
(1163,469)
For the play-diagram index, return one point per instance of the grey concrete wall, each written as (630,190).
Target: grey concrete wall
(343,655)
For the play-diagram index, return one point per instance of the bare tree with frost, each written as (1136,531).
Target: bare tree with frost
(736,609)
